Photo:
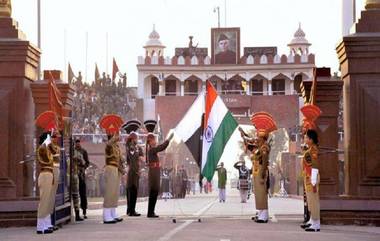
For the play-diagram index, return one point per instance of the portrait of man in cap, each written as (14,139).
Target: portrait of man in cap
(225,47)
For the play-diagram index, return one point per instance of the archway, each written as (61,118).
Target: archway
(279,84)
(216,82)
(154,87)
(257,85)
(172,86)
(192,85)
(297,82)
(234,85)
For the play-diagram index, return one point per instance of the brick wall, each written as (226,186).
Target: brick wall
(284,108)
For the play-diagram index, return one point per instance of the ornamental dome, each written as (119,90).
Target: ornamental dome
(154,40)
(299,38)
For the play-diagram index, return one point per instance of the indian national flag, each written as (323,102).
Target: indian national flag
(219,125)
(189,129)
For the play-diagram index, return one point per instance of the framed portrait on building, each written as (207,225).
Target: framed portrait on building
(225,45)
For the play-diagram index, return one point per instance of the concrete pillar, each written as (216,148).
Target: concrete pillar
(327,99)
(270,87)
(182,85)
(203,85)
(19,60)
(248,90)
(357,55)
(291,87)
(248,82)
(161,90)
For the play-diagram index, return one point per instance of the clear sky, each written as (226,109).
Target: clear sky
(128,24)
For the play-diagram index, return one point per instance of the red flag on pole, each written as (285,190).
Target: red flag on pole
(70,74)
(55,103)
(313,93)
(97,74)
(115,69)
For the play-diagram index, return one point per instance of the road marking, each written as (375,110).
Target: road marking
(274,219)
(225,240)
(171,233)
(176,230)
(205,208)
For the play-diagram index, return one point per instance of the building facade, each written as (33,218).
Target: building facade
(260,72)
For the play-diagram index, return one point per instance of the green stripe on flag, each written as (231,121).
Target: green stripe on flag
(223,134)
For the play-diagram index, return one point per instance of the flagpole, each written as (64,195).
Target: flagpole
(107,53)
(39,36)
(225,13)
(65,55)
(353,11)
(86,55)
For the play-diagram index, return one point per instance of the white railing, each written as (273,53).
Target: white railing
(232,92)
(170,93)
(250,60)
(187,93)
(257,93)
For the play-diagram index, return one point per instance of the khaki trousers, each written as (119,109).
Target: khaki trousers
(111,187)
(313,204)
(45,185)
(261,193)
(54,188)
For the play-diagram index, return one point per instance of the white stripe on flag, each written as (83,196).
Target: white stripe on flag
(216,116)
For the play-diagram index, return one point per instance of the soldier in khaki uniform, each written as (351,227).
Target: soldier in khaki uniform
(46,121)
(55,150)
(264,125)
(45,185)
(311,180)
(309,164)
(112,175)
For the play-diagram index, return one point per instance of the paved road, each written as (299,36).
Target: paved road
(219,222)
(231,208)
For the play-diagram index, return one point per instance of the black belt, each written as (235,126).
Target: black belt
(45,169)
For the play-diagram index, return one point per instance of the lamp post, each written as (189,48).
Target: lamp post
(217,9)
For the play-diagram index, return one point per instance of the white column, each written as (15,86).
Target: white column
(161,88)
(205,77)
(182,93)
(270,87)
(291,87)
(248,82)
(203,85)
(248,90)
(141,92)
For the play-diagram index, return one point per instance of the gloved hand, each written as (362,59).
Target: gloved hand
(314,176)
(171,136)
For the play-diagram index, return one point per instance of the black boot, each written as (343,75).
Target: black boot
(77,216)
(152,204)
(128,201)
(84,213)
